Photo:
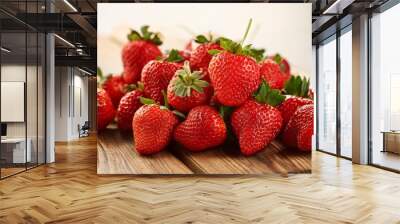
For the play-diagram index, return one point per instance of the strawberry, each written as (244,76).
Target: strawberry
(299,88)
(203,128)
(156,75)
(187,90)
(257,122)
(298,133)
(140,50)
(271,72)
(234,72)
(153,127)
(115,86)
(128,105)
(200,58)
(282,62)
(105,109)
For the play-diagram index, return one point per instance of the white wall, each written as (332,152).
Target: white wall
(70,83)
(283,28)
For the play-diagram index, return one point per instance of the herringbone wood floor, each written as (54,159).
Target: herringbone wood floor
(69,191)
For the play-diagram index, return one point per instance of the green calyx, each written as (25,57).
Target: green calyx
(277,58)
(100,76)
(188,80)
(145,34)
(266,95)
(239,47)
(148,101)
(139,86)
(174,56)
(297,86)
(202,39)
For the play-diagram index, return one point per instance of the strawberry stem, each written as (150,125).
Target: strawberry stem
(247,31)
(179,114)
(165,99)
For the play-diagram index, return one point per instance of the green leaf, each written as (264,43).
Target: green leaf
(145,32)
(200,83)
(278,58)
(214,51)
(147,101)
(201,39)
(275,98)
(156,39)
(197,88)
(262,92)
(297,86)
(174,56)
(134,35)
(269,96)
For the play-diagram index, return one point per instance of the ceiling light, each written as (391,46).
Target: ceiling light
(338,6)
(70,5)
(84,71)
(64,40)
(5,50)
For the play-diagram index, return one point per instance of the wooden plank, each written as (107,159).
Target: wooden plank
(116,155)
(275,159)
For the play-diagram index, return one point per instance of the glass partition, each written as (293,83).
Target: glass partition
(346,93)
(14,153)
(326,110)
(385,89)
(22,77)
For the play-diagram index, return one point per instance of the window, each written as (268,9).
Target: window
(346,92)
(385,89)
(327,96)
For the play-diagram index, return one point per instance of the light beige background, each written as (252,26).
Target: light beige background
(283,28)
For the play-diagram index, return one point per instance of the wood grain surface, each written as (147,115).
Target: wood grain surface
(70,191)
(116,155)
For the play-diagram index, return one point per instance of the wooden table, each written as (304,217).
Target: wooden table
(116,155)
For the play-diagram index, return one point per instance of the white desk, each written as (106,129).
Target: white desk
(18,150)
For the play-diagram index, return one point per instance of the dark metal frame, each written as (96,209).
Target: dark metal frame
(44,70)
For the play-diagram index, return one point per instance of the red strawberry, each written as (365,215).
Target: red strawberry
(299,88)
(298,133)
(271,72)
(156,75)
(187,90)
(234,72)
(256,123)
(200,58)
(203,128)
(234,77)
(115,87)
(153,127)
(105,109)
(282,62)
(185,55)
(140,50)
(128,105)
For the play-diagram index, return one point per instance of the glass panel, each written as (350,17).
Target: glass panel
(327,97)
(31,98)
(41,99)
(346,94)
(13,79)
(385,83)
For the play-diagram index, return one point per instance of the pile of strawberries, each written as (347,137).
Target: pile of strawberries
(200,97)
